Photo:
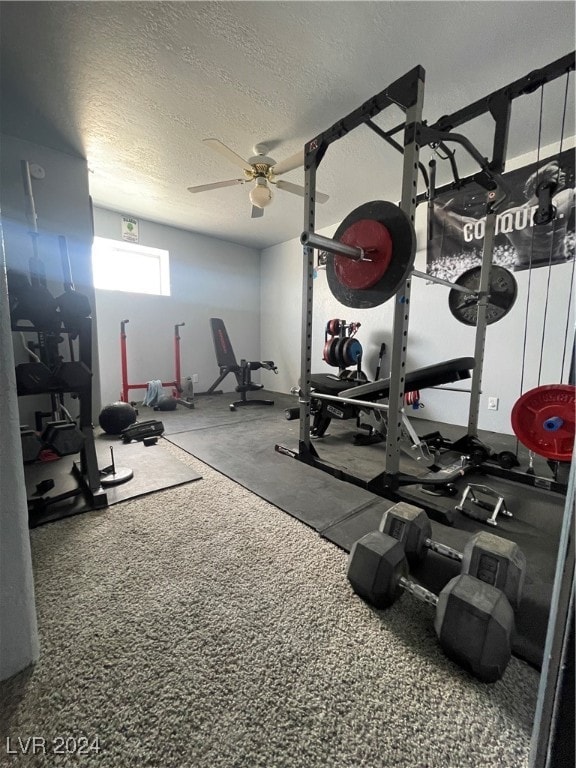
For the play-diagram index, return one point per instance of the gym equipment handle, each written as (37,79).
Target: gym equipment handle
(444,549)
(419,591)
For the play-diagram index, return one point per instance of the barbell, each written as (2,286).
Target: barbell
(372,255)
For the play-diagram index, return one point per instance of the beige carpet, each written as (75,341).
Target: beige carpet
(201,627)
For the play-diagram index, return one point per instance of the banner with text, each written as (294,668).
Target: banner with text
(458,222)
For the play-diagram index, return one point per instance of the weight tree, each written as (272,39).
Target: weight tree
(407,94)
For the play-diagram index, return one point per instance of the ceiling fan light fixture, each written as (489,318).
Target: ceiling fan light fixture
(261,195)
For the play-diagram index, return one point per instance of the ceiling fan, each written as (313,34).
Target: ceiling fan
(262,170)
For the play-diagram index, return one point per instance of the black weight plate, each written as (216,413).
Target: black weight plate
(403,236)
(330,352)
(503,291)
(120,475)
(339,353)
(351,351)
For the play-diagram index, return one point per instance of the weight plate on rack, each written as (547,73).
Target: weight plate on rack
(387,235)
(543,420)
(503,291)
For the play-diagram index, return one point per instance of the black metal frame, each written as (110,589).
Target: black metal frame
(498,104)
(407,94)
(86,471)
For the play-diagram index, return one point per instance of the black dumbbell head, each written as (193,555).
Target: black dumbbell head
(31,444)
(34,378)
(73,307)
(375,566)
(63,437)
(474,623)
(496,561)
(411,526)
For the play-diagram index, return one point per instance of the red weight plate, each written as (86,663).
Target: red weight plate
(403,237)
(334,327)
(543,419)
(329,353)
(375,238)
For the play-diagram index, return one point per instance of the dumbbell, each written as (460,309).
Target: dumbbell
(34,379)
(31,444)
(73,376)
(474,620)
(63,437)
(489,558)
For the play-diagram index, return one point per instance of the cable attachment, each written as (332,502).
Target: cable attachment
(545,212)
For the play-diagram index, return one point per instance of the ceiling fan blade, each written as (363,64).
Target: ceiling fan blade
(287,186)
(289,164)
(296,189)
(257,212)
(216,185)
(225,151)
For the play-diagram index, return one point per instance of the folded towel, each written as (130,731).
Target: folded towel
(153,393)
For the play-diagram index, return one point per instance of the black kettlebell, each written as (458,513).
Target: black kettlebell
(166,403)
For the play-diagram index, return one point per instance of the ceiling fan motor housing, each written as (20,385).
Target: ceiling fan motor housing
(262,163)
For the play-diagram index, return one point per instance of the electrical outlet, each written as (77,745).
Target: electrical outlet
(492,403)
(36,171)
(194,378)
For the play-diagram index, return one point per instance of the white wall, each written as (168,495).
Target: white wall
(434,334)
(18,628)
(209,278)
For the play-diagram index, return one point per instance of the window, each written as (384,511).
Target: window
(119,266)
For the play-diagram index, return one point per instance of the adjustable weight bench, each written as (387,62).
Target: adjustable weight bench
(422,378)
(430,376)
(227,363)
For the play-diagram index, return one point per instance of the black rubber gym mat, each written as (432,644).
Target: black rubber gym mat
(244,451)
(154,469)
(214,410)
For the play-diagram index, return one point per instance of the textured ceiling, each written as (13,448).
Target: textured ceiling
(135,87)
